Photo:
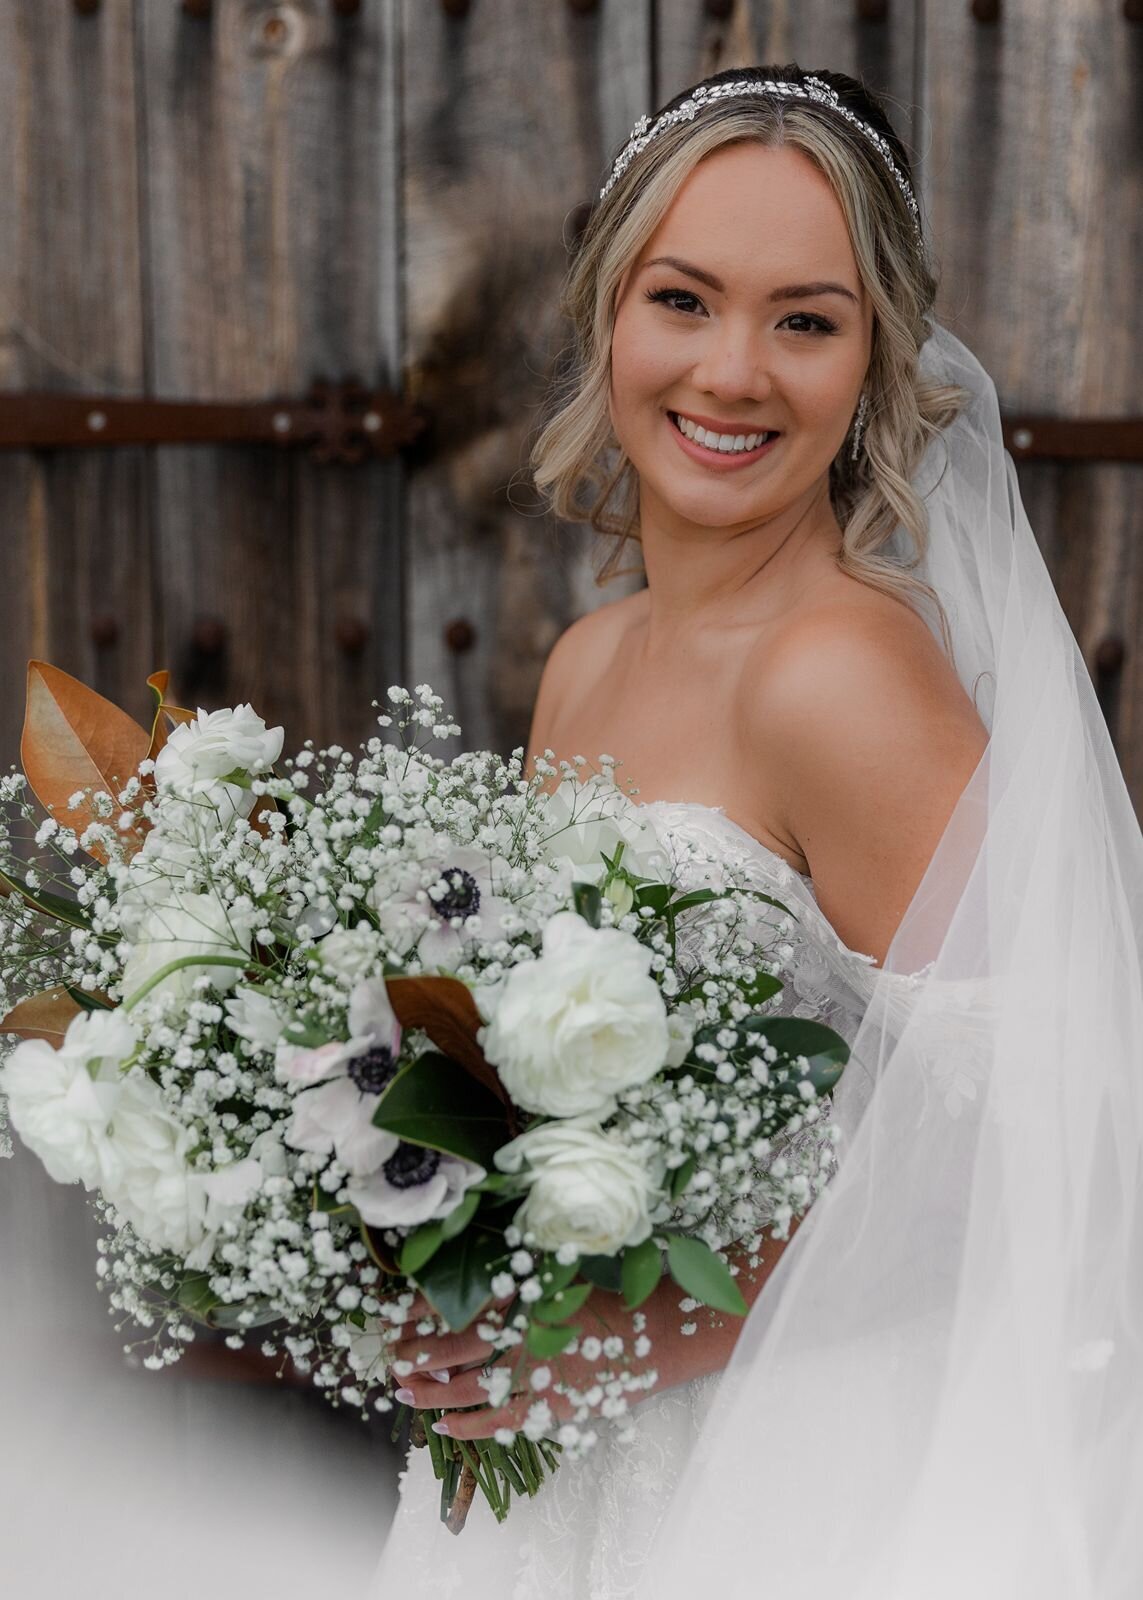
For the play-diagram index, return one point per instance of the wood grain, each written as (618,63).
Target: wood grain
(76,573)
(509,115)
(273,255)
(1036,200)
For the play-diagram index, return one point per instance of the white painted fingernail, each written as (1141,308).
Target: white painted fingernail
(441,1377)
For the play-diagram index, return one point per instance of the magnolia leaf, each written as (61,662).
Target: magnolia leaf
(55,906)
(381,1253)
(434,1102)
(546,1342)
(696,1268)
(457,1280)
(157,683)
(460,1216)
(642,1269)
(588,902)
(420,1247)
(604,1271)
(825,1050)
(445,1010)
(75,739)
(42,1016)
(90,1002)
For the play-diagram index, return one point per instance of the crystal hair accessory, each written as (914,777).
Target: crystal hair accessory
(812,89)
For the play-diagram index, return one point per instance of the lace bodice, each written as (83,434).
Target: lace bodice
(588,1533)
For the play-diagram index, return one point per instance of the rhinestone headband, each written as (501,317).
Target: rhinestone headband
(814,89)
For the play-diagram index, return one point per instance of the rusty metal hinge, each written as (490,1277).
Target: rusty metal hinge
(342,422)
(1075,438)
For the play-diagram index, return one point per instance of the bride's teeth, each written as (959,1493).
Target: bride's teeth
(751,440)
(725,443)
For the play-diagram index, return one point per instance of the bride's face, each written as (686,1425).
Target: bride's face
(743,315)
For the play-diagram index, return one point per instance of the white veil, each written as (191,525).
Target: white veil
(940,1392)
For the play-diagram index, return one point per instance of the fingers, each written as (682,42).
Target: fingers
(440,1351)
(463,1389)
(484,1423)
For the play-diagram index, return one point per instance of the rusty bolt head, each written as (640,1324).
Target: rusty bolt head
(197,8)
(352,635)
(346,8)
(986,10)
(720,10)
(208,636)
(872,10)
(459,635)
(455,8)
(86,8)
(1110,655)
(1133,10)
(583,7)
(104,631)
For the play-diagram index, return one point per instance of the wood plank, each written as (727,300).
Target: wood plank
(273,257)
(76,572)
(691,44)
(1039,239)
(509,117)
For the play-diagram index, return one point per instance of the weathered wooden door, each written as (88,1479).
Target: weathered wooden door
(226,201)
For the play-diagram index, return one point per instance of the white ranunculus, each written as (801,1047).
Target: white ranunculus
(580,1023)
(253,1016)
(198,755)
(583,820)
(186,924)
(585,1188)
(60,1101)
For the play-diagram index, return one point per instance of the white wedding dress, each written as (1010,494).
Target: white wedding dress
(588,1533)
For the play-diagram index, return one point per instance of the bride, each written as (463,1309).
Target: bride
(848,673)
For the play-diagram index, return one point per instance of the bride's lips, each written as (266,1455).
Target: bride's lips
(719,460)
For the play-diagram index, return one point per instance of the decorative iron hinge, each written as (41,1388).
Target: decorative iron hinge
(338,422)
(1075,438)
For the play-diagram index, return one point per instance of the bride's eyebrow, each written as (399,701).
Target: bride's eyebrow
(788,291)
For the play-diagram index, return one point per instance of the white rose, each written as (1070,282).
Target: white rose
(60,1101)
(199,754)
(186,925)
(580,1023)
(585,819)
(585,1187)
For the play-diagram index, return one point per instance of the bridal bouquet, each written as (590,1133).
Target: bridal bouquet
(326,1039)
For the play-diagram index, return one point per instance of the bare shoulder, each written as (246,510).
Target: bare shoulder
(588,642)
(867,740)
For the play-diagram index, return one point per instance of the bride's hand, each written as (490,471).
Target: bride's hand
(675,1356)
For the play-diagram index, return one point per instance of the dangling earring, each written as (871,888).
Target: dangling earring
(859,427)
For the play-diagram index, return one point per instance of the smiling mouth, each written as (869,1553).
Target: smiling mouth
(727,444)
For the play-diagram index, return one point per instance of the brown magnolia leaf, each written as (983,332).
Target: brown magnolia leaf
(42,1016)
(157,683)
(383,1257)
(445,1010)
(75,739)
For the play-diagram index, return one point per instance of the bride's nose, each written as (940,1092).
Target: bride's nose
(733,366)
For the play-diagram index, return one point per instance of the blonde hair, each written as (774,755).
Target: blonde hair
(577,465)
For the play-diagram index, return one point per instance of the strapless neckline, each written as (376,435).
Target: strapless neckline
(729,822)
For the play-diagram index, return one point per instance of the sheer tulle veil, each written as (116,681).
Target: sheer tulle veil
(940,1392)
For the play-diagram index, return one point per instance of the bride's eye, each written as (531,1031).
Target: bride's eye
(671,297)
(818,324)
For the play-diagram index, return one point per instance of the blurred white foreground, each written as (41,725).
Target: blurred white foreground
(120,1484)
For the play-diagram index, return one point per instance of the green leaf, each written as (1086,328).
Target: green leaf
(696,1268)
(695,897)
(460,1216)
(438,1103)
(563,1303)
(655,895)
(642,1270)
(88,1002)
(498,1183)
(196,1296)
(555,1274)
(457,1280)
(604,1271)
(49,905)
(764,987)
(545,1342)
(329,1205)
(420,1247)
(588,902)
(825,1050)
(681,1176)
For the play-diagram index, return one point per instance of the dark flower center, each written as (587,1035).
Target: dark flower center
(410,1165)
(373,1071)
(462,898)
